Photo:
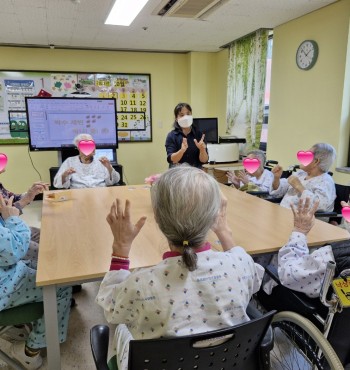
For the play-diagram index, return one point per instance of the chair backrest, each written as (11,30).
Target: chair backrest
(238,349)
(270,164)
(343,193)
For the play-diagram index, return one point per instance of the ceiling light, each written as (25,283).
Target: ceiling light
(124,12)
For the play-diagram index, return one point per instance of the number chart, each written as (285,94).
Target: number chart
(131,91)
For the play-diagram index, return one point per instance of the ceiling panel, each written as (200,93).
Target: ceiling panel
(80,23)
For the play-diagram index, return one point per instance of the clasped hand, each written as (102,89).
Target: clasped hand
(124,231)
(295,183)
(7,209)
(277,171)
(236,179)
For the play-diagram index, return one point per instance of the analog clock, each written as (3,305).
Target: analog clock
(307,54)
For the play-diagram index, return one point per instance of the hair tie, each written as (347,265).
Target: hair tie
(185,243)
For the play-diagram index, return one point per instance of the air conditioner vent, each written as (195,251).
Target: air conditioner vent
(186,8)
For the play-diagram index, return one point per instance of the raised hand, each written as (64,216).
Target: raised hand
(221,228)
(124,231)
(200,144)
(304,215)
(233,178)
(242,176)
(344,204)
(277,171)
(69,171)
(37,188)
(105,161)
(184,144)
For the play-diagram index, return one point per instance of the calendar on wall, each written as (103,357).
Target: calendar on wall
(131,91)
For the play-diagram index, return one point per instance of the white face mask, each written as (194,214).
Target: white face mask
(185,121)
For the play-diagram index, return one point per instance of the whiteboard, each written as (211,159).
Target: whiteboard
(131,91)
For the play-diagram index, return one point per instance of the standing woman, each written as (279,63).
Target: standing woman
(185,143)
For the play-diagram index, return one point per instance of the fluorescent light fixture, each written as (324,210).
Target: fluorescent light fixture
(125,11)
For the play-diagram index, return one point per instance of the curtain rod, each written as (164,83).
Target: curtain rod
(243,37)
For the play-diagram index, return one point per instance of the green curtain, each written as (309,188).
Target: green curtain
(246,87)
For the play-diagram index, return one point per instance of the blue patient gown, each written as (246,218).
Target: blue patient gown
(18,261)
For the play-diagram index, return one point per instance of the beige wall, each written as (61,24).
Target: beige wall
(311,106)
(174,77)
(305,106)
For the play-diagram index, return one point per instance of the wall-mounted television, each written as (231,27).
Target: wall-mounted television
(209,127)
(54,122)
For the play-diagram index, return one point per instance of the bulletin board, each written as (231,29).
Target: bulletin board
(131,91)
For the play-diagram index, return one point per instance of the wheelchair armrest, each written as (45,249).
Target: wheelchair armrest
(309,305)
(273,273)
(258,193)
(274,200)
(99,338)
(325,214)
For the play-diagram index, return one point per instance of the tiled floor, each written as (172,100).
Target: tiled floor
(75,352)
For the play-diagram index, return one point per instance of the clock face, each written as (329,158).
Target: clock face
(307,54)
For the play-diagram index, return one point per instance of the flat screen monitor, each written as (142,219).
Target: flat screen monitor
(209,127)
(71,152)
(54,122)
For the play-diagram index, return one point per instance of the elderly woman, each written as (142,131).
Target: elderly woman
(311,181)
(84,171)
(194,289)
(18,287)
(262,177)
(22,200)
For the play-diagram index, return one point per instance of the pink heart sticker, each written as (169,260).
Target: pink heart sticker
(251,164)
(305,158)
(3,161)
(346,213)
(86,146)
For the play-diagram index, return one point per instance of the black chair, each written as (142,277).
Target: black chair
(270,164)
(342,194)
(240,347)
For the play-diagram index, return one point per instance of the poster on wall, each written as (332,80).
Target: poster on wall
(131,91)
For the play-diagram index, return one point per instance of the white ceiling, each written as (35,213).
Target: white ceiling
(80,24)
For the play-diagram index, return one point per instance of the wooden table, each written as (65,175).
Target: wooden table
(75,241)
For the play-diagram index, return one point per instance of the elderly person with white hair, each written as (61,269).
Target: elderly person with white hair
(84,171)
(262,178)
(312,181)
(194,289)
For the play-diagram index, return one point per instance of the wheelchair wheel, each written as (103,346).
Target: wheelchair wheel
(298,344)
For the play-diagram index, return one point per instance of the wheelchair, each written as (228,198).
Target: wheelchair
(309,333)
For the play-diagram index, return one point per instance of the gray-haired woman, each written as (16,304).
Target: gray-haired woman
(83,171)
(194,289)
(311,181)
(262,177)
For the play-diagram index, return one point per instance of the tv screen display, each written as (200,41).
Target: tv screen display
(209,127)
(54,122)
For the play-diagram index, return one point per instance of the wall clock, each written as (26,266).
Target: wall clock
(307,54)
